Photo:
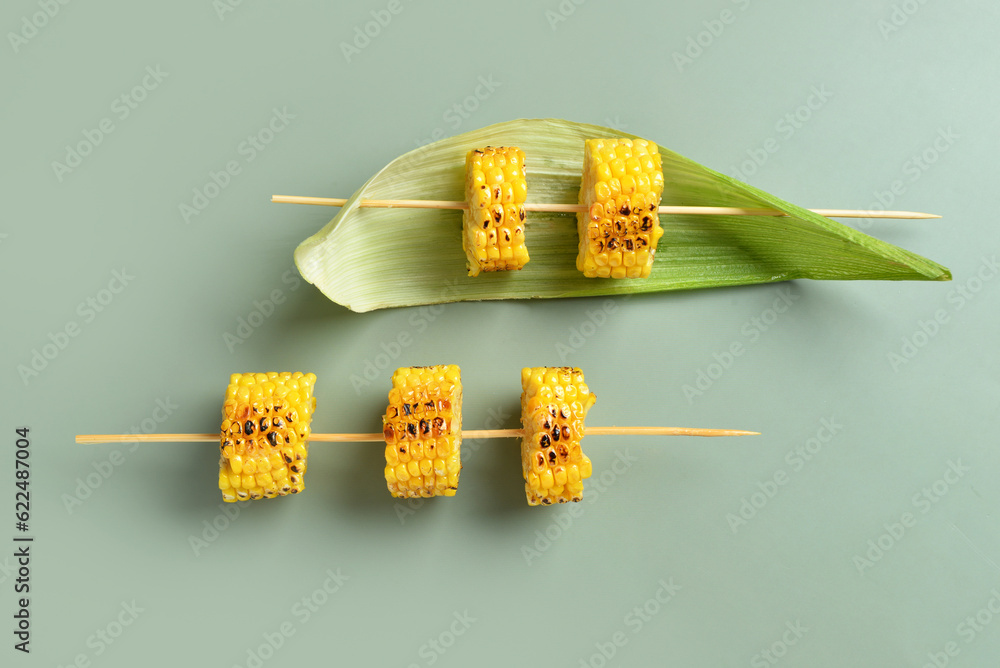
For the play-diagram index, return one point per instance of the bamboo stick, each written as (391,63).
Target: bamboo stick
(467,434)
(576,208)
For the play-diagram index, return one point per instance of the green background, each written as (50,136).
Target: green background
(804,556)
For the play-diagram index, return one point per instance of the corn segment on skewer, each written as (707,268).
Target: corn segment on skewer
(493,225)
(621,190)
(554,404)
(423,431)
(265,431)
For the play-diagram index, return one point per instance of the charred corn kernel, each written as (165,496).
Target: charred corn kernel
(495,188)
(554,404)
(423,431)
(621,190)
(265,434)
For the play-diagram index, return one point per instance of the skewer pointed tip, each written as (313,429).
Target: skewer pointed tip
(729,432)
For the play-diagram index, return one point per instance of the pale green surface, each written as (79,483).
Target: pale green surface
(825,357)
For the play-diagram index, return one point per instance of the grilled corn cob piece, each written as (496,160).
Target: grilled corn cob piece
(423,431)
(619,229)
(265,434)
(554,403)
(495,188)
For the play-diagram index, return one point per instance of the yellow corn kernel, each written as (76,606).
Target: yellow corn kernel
(621,190)
(496,189)
(264,434)
(554,404)
(422,427)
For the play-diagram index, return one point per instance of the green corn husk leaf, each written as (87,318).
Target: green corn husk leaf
(368,259)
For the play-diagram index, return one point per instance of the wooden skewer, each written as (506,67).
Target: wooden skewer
(468,434)
(576,208)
